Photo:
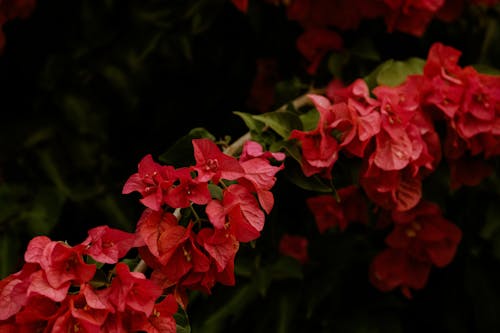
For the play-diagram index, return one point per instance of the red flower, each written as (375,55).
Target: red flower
(220,245)
(411,16)
(107,245)
(319,147)
(187,191)
(259,174)
(314,44)
(151,182)
(212,164)
(329,213)
(161,320)
(131,290)
(393,268)
(295,247)
(392,190)
(424,234)
(238,211)
(242,5)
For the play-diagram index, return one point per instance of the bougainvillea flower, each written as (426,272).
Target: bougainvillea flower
(36,314)
(393,268)
(62,263)
(425,234)
(212,164)
(412,16)
(329,212)
(219,244)
(315,43)
(132,290)
(187,191)
(242,5)
(260,174)
(39,285)
(400,190)
(152,225)
(161,320)
(295,247)
(108,245)
(151,181)
(252,149)
(319,147)
(238,211)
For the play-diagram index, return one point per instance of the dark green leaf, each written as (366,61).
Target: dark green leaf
(282,122)
(393,73)
(180,154)
(182,321)
(309,120)
(252,124)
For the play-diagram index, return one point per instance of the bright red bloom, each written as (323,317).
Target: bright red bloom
(212,164)
(13,291)
(319,147)
(133,291)
(62,264)
(393,268)
(151,182)
(238,211)
(329,213)
(188,190)
(295,247)
(220,245)
(259,174)
(36,315)
(161,319)
(107,245)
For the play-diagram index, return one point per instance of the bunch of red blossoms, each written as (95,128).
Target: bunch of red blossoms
(395,137)
(319,16)
(68,289)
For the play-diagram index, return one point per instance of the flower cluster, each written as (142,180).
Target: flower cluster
(66,289)
(235,194)
(57,291)
(12,9)
(319,16)
(394,135)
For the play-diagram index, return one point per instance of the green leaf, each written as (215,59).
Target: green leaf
(282,122)
(392,73)
(181,154)
(286,268)
(215,191)
(182,321)
(309,120)
(252,124)
(262,279)
(295,175)
(8,249)
(485,69)
(45,212)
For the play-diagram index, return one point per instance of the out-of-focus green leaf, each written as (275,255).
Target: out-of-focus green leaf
(182,321)
(215,191)
(295,175)
(392,72)
(8,247)
(180,154)
(253,124)
(282,122)
(309,120)
(485,69)
(45,212)
(286,268)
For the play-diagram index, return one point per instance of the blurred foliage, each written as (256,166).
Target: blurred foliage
(90,87)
